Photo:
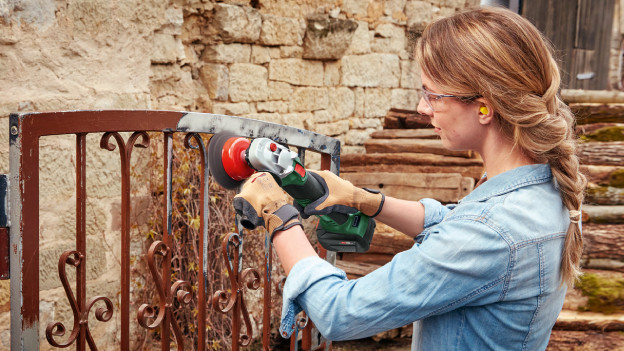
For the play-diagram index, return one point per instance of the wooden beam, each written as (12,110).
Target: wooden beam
(598,153)
(413,145)
(446,187)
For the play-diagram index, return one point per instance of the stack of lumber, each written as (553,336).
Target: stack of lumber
(407,160)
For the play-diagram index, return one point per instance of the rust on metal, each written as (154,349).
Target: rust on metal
(23,204)
(203,238)
(234,300)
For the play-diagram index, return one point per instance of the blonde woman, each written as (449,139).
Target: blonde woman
(488,273)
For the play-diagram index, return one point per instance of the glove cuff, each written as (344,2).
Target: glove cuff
(283,218)
(372,202)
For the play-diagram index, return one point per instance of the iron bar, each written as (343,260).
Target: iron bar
(203,238)
(125,153)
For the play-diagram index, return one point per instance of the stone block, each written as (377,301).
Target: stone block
(372,70)
(360,43)
(377,102)
(389,38)
(227,53)
(356,137)
(406,99)
(362,123)
(231,109)
(166,49)
(174,19)
(272,106)
(410,74)
(332,73)
(260,54)
(327,38)
(291,52)
(234,23)
(248,82)
(419,14)
(279,91)
(394,6)
(359,102)
(215,78)
(49,259)
(295,120)
(355,7)
(341,103)
(320,116)
(332,128)
(309,99)
(280,31)
(297,71)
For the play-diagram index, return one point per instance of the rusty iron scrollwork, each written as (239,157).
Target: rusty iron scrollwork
(81,315)
(225,302)
(181,291)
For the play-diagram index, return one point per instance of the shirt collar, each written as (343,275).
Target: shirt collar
(509,181)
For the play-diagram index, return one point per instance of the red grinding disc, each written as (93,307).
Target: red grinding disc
(227,162)
(233,158)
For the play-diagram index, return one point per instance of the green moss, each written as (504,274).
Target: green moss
(605,294)
(612,133)
(616,179)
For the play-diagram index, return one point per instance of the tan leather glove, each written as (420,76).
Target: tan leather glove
(342,196)
(262,202)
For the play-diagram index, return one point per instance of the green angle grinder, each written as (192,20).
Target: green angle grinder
(232,159)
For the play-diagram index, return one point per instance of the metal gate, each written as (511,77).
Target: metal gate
(22,251)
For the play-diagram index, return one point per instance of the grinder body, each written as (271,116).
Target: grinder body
(336,231)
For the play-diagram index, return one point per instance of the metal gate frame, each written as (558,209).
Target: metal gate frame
(23,222)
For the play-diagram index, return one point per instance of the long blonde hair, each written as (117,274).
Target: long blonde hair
(501,56)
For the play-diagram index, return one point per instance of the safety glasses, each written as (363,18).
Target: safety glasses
(432,98)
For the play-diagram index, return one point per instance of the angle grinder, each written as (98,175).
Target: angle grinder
(232,159)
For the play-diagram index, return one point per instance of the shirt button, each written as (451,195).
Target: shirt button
(284,334)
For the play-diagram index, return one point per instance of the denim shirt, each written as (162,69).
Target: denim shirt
(483,275)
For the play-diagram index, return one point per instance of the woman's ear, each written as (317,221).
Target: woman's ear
(486,113)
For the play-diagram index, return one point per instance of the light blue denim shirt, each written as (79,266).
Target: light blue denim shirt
(483,275)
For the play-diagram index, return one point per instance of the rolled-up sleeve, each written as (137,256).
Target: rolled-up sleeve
(443,273)
(434,211)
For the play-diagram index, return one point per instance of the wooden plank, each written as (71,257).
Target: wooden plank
(413,145)
(604,175)
(405,134)
(449,187)
(473,172)
(405,119)
(406,158)
(589,113)
(584,340)
(603,214)
(578,96)
(603,195)
(599,153)
(580,321)
(356,269)
(603,247)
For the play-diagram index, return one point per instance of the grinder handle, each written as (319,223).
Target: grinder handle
(306,189)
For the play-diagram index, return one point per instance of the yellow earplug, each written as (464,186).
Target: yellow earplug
(484,110)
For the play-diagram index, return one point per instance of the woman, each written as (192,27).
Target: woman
(489,272)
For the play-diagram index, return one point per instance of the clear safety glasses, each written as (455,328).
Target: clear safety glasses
(432,98)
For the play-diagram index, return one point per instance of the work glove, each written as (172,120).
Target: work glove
(261,202)
(343,197)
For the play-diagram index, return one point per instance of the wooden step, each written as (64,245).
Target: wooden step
(409,162)
(581,321)
(602,153)
(405,119)
(405,134)
(413,145)
(445,187)
(603,247)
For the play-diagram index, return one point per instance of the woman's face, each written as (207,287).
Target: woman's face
(455,121)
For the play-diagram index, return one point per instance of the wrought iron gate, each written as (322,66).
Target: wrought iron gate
(22,251)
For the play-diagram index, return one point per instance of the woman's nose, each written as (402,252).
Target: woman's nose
(423,108)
